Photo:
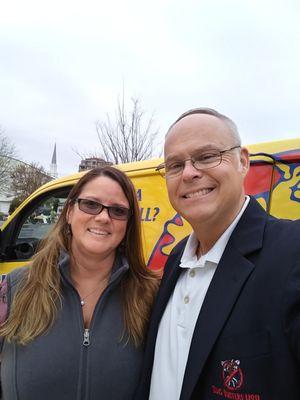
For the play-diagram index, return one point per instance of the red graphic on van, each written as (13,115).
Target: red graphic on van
(158,257)
(266,175)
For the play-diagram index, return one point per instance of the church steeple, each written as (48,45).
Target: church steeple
(53,161)
(53,165)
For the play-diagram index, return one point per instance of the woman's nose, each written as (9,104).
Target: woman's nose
(103,215)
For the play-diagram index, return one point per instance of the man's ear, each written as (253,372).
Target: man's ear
(244,161)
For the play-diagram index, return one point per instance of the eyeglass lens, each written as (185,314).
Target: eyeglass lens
(93,207)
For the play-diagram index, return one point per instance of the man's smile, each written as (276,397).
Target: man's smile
(198,193)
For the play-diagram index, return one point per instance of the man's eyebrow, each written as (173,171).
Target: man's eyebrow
(202,149)
(205,148)
(172,157)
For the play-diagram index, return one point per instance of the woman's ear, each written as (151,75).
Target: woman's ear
(69,214)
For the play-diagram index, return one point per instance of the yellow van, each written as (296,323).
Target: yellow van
(274,179)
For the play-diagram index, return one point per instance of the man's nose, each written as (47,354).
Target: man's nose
(189,171)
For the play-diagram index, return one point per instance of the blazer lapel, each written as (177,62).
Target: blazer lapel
(231,274)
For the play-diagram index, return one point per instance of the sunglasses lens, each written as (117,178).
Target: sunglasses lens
(121,213)
(90,206)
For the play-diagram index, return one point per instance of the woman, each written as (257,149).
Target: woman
(79,313)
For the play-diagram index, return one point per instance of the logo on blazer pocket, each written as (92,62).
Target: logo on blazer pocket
(232,374)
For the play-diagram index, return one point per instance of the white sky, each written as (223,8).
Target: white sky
(63,63)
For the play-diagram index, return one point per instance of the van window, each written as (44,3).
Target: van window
(36,224)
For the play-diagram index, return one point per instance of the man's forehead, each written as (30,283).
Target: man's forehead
(198,122)
(197,132)
(199,126)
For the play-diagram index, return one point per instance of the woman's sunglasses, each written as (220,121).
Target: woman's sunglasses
(94,207)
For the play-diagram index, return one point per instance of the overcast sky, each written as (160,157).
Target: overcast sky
(63,64)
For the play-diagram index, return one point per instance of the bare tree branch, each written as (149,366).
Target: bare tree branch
(85,155)
(128,137)
(26,178)
(7,152)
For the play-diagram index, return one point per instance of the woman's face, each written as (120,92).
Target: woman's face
(98,235)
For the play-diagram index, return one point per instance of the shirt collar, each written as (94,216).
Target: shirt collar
(189,257)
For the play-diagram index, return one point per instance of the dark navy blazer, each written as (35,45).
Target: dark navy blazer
(246,342)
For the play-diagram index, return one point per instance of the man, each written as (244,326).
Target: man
(226,323)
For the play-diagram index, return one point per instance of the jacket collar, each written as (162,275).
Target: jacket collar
(119,268)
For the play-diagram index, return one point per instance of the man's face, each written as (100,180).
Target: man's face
(211,196)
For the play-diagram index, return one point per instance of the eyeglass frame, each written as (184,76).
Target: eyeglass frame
(193,161)
(104,207)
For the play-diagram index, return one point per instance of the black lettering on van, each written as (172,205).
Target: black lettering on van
(139,194)
(149,214)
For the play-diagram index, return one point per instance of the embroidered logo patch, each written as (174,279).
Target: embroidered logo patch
(232,374)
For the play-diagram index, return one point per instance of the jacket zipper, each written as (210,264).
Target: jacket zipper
(83,389)
(86,343)
(86,337)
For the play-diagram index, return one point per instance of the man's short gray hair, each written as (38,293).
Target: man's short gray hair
(210,111)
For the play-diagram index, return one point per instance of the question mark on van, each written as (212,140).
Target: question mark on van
(156,212)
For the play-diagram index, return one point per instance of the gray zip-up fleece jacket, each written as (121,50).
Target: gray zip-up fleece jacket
(69,363)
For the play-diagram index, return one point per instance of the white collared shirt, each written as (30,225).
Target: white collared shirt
(179,319)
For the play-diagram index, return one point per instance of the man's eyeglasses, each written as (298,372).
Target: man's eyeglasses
(203,160)
(94,207)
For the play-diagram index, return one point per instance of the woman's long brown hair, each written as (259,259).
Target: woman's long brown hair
(38,297)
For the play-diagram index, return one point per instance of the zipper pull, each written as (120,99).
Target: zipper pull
(86,337)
